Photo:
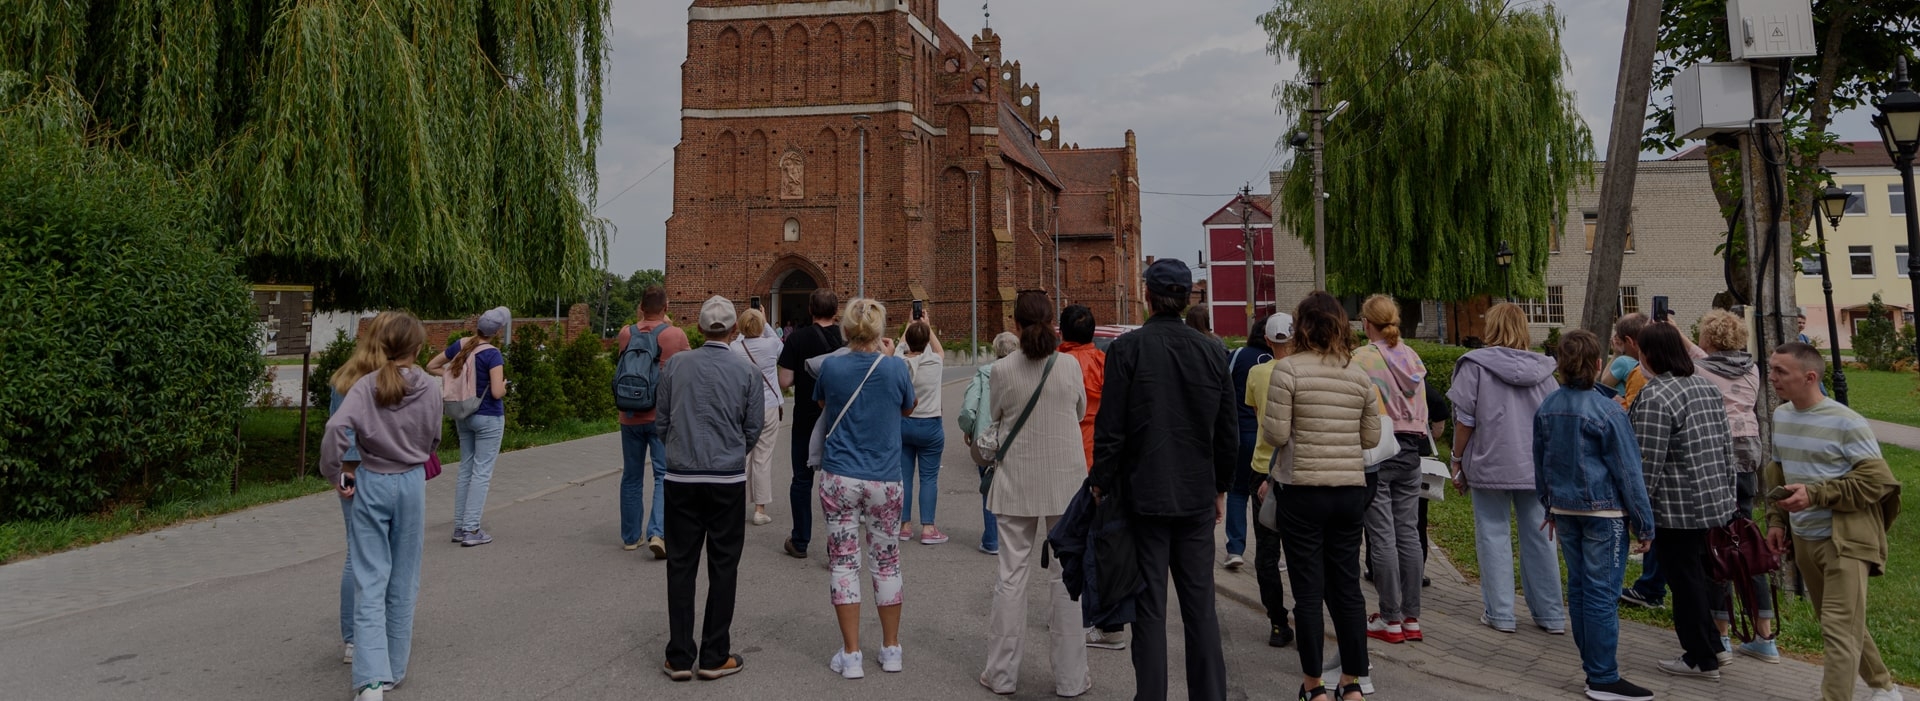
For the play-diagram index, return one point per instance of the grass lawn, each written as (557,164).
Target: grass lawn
(1887,396)
(1893,600)
(269,465)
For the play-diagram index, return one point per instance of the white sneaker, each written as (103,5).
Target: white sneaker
(347,657)
(1235,562)
(1892,694)
(1116,640)
(1725,655)
(371,693)
(760,518)
(890,658)
(848,664)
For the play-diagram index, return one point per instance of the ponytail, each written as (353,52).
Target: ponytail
(402,337)
(1384,314)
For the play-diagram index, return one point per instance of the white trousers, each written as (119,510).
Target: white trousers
(1007,623)
(760,461)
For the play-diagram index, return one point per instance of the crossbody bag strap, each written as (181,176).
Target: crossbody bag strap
(763,376)
(1024,413)
(856,395)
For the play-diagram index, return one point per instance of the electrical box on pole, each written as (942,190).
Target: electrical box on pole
(1712,98)
(1770,29)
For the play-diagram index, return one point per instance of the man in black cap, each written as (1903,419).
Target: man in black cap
(1164,444)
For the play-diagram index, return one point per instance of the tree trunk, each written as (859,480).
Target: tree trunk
(1623,160)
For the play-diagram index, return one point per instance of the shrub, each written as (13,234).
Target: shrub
(128,335)
(1440,360)
(319,380)
(1875,342)
(586,377)
(537,399)
(695,339)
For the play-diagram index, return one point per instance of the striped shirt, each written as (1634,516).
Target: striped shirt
(1820,444)
(1686,452)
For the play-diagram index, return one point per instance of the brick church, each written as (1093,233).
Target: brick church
(775,97)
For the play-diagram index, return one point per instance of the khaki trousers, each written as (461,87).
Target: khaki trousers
(1837,586)
(760,461)
(1007,623)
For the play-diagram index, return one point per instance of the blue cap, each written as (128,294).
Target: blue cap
(1168,277)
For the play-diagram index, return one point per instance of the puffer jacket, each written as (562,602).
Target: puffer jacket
(1328,409)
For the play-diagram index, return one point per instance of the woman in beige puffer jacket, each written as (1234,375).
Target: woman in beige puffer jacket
(1327,409)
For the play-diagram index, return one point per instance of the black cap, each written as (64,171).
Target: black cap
(1168,277)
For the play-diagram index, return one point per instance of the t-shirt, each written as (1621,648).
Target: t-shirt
(865,445)
(1255,394)
(1622,364)
(1817,445)
(803,343)
(483,363)
(926,369)
(762,352)
(672,341)
(1636,381)
(1240,362)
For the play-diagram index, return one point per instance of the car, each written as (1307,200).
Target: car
(1104,334)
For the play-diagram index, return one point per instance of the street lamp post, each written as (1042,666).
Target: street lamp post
(1899,125)
(1833,203)
(973,231)
(860,122)
(1504,258)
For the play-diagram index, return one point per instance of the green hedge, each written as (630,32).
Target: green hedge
(1440,359)
(128,335)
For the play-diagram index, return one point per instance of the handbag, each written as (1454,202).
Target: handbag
(433,466)
(990,448)
(1736,553)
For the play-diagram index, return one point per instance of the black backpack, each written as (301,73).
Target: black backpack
(637,374)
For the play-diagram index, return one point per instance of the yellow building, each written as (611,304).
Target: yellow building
(1868,250)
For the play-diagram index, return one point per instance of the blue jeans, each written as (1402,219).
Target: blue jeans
(346,575)
(388,532)
(1539,564)
(1596,558)
(923,440)
(636,441)
(1238,495)
(990,536)
(479,448)
(1652,585)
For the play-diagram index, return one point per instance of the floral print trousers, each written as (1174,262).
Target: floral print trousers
(848,505)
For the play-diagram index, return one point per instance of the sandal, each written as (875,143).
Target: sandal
(1352,689)
(1318,692)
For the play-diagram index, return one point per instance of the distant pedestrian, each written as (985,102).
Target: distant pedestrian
(1038,401)
(1393,513)
(1841,499)
(802,344)
(976,411)
(1164,444)
(761,349)
(639,437)
(369,355)
(924,438)
(475,360)
(1590,482)
(1723,360)
(710,414)
(1325,408)
(864,394)
(1686,453)
(1241,362)
(393,416)
(1496,391)
(1199,318)
(1267,564)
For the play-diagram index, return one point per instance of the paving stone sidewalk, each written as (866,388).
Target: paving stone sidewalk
(1533,664)
(1898,434)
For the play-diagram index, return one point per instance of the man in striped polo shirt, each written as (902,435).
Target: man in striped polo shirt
(1840,498)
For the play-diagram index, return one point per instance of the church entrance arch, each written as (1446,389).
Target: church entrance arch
(789,293)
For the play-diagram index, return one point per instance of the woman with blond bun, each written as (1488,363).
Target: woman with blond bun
(368,356)
(864,394)
(393,416)
(761,349)
(474,360)
(1496,391)
(1393,515)
(1723,356)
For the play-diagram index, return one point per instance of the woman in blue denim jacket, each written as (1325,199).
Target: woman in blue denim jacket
(1589,480)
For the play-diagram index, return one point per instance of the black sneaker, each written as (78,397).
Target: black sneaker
(1621,690)
(1633,596)
(1281,636)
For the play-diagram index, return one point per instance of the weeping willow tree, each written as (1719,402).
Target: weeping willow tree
(1458,133)
(436,155)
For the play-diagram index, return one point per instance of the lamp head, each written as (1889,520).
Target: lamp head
(1833,203)
(1504,256)
(1899,119)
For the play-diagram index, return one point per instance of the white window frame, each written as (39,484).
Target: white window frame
(1897,200)
(1854,253)
(1856,195)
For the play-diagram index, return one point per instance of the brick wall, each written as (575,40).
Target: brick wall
(440,330)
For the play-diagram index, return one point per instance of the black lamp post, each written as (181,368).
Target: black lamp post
(1833,203)
(1899,125)
(1504,258)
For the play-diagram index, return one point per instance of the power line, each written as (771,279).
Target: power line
(1189,194)
(642,179)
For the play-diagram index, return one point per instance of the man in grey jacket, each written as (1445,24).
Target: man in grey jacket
(710,415)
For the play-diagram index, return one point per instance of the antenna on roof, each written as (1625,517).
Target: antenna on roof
(989,15)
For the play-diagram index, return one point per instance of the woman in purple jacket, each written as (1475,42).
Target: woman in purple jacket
(1496,391)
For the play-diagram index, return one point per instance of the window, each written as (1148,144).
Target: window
(1552,310)
(1629,300)
(1900,260)
(1810,266)
(1857,199)
(1896,200)
(792,230)
(1593,228)
(1861,260)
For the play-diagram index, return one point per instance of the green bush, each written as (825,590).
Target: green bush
(586,377)
(695,339)
(1440,360)
(320,379)
(538,398)
(128,335)
(1875,342)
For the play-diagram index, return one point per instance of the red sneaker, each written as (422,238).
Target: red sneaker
(1411,627)
(1385,631)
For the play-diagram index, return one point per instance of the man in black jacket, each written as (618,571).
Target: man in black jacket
(1164,443)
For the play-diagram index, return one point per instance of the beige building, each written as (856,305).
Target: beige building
(1868,250)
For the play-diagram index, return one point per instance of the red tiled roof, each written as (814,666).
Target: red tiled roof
(1018,144)
(1087,170)
(1262,212)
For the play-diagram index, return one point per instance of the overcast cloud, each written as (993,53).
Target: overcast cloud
(1191,78)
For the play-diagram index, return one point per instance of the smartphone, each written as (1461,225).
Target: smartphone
(1660,309)
(346,480)
(919,310)
(1778,493)
(754,303)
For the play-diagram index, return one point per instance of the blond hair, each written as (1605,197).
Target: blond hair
(753,324)
(1384,314)
(1507,327)
(864,321)
(1720,330)
(368,356)
(401,337)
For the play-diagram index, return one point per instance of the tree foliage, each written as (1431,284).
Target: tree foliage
(1460,133)
(418,154)
(127,334)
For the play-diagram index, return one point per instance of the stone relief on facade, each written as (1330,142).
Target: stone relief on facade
(792,176)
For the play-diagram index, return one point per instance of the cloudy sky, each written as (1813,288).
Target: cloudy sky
(1191,78)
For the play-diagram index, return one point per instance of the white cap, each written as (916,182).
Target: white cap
(1279,327)
(717,315)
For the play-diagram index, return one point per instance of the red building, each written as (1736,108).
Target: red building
(766,185)
(1227,231)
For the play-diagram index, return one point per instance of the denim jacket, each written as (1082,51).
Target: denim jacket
(1588,459)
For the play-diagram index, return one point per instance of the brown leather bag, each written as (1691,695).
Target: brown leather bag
(1736,554)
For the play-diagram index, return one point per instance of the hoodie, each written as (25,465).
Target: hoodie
(391,440)
(1497,391)
(1738,379)
(1401,379)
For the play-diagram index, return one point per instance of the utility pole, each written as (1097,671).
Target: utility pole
(860,120)
(1246,236)
(1623,161)
(1059,295)
(973,231)
(1319,111)
(1769,243)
